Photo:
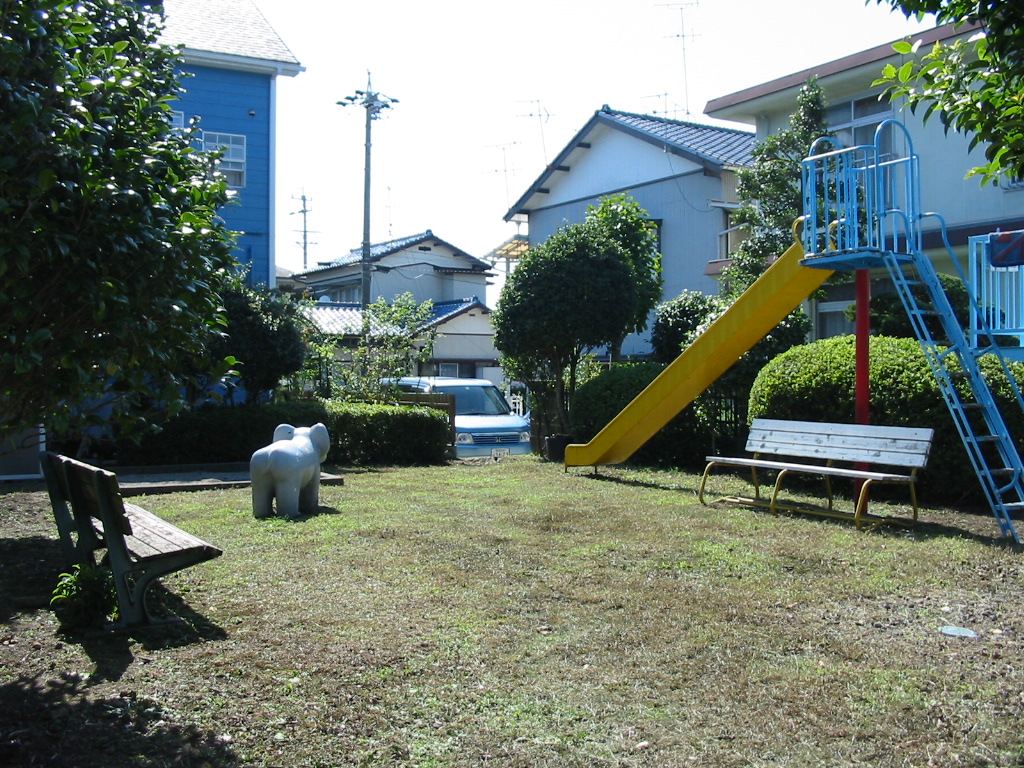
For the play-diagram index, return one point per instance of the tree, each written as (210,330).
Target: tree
(110,246)
(975,87)
(572,293)
(623,220)
(770,191)
(263,335)
(397,335)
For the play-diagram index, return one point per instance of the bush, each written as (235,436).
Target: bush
(816,382)
(360,434)
(677,319)
(683,442)
(366,434)
(214,434)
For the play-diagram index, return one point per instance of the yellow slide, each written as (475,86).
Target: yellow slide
(761,307)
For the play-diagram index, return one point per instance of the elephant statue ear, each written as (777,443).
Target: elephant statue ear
(321,439)
(284,432)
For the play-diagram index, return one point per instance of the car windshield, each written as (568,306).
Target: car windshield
(475,401)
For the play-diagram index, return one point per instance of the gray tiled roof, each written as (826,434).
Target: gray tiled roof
(226,27)
(710,146)
(728,146)
(336,319)
(341,319)
(380,250)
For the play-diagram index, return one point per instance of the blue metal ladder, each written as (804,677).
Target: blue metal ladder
(861,212)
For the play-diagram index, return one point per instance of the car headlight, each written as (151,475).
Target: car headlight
(524,437)
(464,438)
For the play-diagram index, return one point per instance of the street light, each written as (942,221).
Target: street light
(374,103)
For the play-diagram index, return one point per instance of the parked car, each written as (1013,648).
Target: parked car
(484,423)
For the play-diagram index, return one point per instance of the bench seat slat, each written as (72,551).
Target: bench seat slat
(153,537)
(856,474)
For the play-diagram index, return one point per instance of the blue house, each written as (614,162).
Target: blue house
(233,57)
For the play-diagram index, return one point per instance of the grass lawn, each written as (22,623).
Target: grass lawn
(512,614)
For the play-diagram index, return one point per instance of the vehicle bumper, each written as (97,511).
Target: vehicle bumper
(491,451)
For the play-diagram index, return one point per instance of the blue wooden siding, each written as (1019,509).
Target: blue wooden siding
(240,102)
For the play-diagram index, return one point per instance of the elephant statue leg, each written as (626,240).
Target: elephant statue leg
(288,495)
(262,497)
(309,497)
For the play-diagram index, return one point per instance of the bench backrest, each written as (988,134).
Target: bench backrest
(81,493)
(891,446)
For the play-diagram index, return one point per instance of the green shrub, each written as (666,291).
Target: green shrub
(360,434)
(676,320)
(215,434)
(85,596)
(816,382)
(683,442)
(367,434)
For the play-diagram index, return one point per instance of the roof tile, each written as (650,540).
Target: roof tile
(229,27)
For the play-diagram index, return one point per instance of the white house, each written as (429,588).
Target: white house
(430,269)
(683,174)
(855,110)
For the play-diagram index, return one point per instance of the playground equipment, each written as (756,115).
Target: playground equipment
(861,211)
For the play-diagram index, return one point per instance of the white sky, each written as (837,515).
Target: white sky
(489,92)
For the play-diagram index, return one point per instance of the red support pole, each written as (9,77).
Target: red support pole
(862,396)
(862,406)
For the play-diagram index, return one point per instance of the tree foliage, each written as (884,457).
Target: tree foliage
(571,294)
(110,247)
(676,321)
(263,335)
(976,87)
(627,223)
(770,191)
(396,336)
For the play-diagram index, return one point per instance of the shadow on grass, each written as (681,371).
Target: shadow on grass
(55,722)
(29,569)
(633,478)
(175,625)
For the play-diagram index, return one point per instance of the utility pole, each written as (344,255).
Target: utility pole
(374,103)
(305,229)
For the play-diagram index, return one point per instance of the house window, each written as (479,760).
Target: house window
(854,122)
(177,120)
(831,319)
(342,294)
(232,162)
(448,369)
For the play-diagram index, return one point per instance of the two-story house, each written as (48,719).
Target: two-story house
(682,173)
(429,268)
(232,59)
(855,111)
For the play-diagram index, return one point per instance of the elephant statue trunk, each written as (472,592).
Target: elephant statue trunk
(289,470)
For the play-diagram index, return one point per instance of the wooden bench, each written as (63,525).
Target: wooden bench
(825,444)
(140,547)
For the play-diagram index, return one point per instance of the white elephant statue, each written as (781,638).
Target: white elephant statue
(289,469)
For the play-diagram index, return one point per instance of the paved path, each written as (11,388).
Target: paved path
(135,481)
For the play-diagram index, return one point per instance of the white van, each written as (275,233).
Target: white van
(484,423)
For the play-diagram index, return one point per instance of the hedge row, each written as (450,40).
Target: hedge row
(361,434)
(815,382)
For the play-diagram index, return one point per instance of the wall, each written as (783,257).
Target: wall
(223,99)
(690,230)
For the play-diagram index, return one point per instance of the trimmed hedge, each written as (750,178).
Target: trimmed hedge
(364,434)
(815,382)
(683,442)
(360,434)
